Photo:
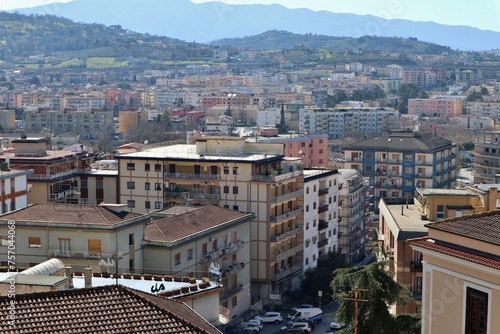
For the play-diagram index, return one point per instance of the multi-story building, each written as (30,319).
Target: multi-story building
(339,123)
(14,188)
(84,121)
(483,108)
(402,161)
(206,241)
(355,221)
(70,101)
(486,157)
(54,174)
(7,120)
(460,284)
(128,118)
(476,123)
(233,173)
(435,107)
(321,193)
(311,149)
(229,100)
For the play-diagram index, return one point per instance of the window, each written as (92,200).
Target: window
(64,246)
(99,183)
(307,208)
(130,166)
(131,239)
(157,167)
(226,206)
(158,186)
(94,247)
(177,258)
(34,242)
(147,167)
(158,205)
(307,261)
(368,155)
(235,170)
(4,240)
(226,169)
(147,204)
(147,186)
(130,185)
(235,190)
(235,207)
(190,254)
(307,226)
(83,183)
(235,301)
(131,265)
(476,312)
(226,190)
(131,203)
(440,212)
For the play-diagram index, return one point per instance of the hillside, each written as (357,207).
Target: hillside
(276,39)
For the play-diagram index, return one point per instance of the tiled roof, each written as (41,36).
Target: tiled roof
(109,309)
(462,254)
(402,141)
(181,226)
(483,226)
(69,213)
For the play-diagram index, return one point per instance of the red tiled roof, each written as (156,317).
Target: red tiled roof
(430,244)
(183,225)
(69,213)
(108,309)
(483,226)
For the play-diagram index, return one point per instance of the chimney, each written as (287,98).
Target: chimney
(402,208)
(87,272)
(69,273)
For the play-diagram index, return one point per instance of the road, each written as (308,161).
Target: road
(320,328)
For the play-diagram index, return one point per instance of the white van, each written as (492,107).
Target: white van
(310,314)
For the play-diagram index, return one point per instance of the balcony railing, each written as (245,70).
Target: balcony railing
(287,234)
(230,292)
(184,194)
(323,243)
(62,194)
(191,176)
(323,224)
(287,215)
(284,272)
(323,192)
(323,207)
(229,248)
(232,269)
(79,254)
(284,254)
(285,197)
(53,176)
(416,266)
(276,178)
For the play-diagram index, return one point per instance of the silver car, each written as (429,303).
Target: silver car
(275,317)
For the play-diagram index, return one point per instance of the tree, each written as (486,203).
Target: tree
(336,98)
(474,96)
(409,91)
(381,291)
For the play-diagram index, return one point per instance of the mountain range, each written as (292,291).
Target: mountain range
(212,21)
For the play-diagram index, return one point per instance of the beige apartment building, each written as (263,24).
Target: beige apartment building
(435,107)
(235,174)
(486,157)
(461,274)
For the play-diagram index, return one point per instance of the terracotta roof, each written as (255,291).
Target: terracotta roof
(108,309)
(184,225)
(483,226)
(462,254)
(69,213)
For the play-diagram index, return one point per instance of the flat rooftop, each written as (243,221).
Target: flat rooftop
(409,221)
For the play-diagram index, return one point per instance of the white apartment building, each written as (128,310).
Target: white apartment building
(321,193)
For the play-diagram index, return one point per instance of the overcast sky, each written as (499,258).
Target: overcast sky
(484,14)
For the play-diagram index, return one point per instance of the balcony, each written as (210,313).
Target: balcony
(285,253)
(199,196)
(191,176)
(226,293)
(277,178)
(416,266)
(62,195)
(232,269)
(79,254)
(287,234)
(53,176)
(323,192)
(323,207)
(229,248)
(290,214)
(286,197)
(285,272)
(323,243)
(323,224)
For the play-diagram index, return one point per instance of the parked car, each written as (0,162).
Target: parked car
(300,325)
(233,329)
(336,325)
(252,327)
(275,317)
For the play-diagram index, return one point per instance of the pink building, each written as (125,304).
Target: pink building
(435,107)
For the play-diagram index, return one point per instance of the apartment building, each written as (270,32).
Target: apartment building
(486,157)
(483,108)
(461,274)
(321,193)
(232,173)
(229,100)
(53,175)
(339,123)
(8,120)
(397,224)
(476,123)
(206,241)
(84,121)
(14,188)
(435,107)
(355,217)
(402,161)
(69,101)
(128,118)
(311,149)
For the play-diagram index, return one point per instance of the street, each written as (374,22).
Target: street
(320,328)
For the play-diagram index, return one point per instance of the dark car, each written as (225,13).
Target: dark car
(236,330)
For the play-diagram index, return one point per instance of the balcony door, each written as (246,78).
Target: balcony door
(64,246)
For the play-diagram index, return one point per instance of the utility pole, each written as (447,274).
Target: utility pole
(357,298)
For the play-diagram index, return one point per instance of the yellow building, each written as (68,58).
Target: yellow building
(461,274)
(130,117)
(235,174)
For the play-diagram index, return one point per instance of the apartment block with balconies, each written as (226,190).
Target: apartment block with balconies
(235,174)
(486,157)
(402,161)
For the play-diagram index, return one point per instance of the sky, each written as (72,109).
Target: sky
(484,14)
